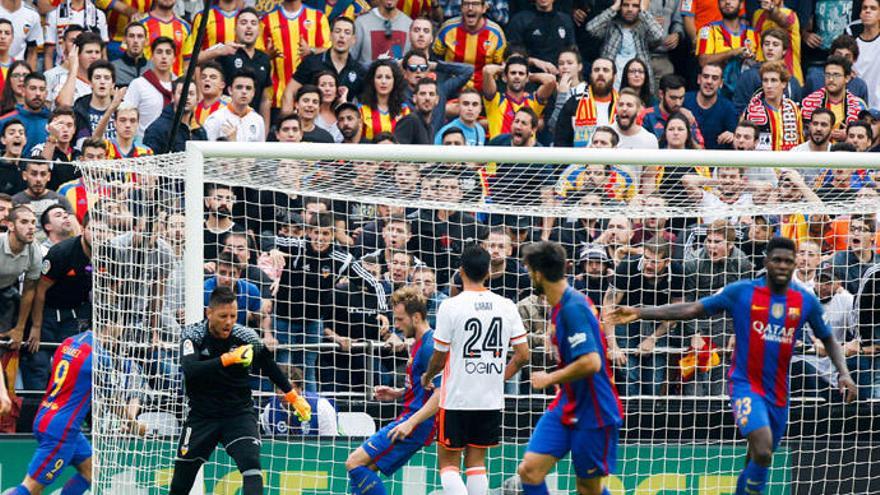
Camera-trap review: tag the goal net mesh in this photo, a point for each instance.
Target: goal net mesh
(319, 294)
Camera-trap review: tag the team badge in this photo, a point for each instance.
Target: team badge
(561, 32)
(238, 63)
(188, 347)
(777, 310)
(47, 265)
(352, 77)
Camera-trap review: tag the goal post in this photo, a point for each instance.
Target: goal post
(401, 214)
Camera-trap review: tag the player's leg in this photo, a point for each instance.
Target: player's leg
(362, 477)
(550, 442)
(27, 487)
(475, 470)
(241, 438)
(594, 457)
(483, 432)
(82, 459)
(449, 461)
(197, 442)
(753, 420)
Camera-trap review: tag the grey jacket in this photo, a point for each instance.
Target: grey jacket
(608, 26)
(668, 15)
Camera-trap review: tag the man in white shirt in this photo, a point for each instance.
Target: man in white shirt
(632, 135)
(867, 34)
(808, 258)
(28, 32)
(87, 49)
(237, 121)
(72, 13)
(729, 189)
(151, 92)
(819, 130)
(475, 330)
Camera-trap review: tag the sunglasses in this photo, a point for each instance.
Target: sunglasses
(387, 26)
(417, 67)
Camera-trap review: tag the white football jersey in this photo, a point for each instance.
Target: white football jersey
(477, 329)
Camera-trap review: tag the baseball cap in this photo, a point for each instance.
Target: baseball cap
(594, 252)
(870, 112)
(344, 106)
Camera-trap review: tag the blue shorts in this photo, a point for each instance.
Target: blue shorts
(593, 450)
(752, 412)
(389, 457)
(53, 455)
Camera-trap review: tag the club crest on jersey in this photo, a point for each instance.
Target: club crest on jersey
(47, 265)
(561, 32)
(777, 310)
(238, 63)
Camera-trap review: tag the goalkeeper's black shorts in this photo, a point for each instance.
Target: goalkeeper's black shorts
(201, 435)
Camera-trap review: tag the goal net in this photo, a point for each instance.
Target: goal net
(315, 239)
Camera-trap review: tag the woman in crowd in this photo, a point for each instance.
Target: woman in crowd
(571, 67)
(635, 75)
(331, 95)
(382, 102)
(13, 91)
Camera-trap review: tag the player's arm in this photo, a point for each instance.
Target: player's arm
(438, 361)
(519, 359)
(268, 365)
(427, 411)
(193, 367)
(5, 403)
(671, 312)
(586, 365)
(546, 88)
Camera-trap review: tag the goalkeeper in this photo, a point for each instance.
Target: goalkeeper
(216, 356)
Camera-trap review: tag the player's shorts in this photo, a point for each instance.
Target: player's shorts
(752, 412)
(200, 436)
(388, 456)
(593, 450)
(53, 455)
(460, 429)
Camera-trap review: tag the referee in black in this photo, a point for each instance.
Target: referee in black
(216, 357)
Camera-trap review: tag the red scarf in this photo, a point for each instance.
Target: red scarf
(153, 79)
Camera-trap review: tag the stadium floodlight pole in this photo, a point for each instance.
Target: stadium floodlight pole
(562, 156)
(190, 71)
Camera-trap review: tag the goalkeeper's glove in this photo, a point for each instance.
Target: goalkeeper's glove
(300, 405)
(243, 355)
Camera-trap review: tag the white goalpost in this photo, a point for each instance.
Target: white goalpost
(401, 215)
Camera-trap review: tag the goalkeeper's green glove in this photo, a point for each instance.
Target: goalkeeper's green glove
(243, 355)
(300, 405)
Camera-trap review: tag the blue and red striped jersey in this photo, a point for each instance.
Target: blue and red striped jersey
(767, 327)
(414, 395)
(591, 402)
(68, 397)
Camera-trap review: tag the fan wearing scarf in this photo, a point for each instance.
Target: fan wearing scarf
(583, 113)
(777, 117)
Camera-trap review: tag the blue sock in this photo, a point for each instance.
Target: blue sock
(536, 489)
(752, 480)
(19, 490)
(605, 491)
(364, 481)
(77, 485)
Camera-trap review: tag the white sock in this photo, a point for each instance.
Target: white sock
(477, 481)
(451, 481)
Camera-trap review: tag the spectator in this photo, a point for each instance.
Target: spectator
(211, 84)
(81, 13)
(616, 240)
(519, 183)
(727, 188)
(668, 15)
(382, 102)
(61, 303)
(338, 59)
(769, 107)
(277, 420)
(593, 272)
(507, 277)
(89, 109)
(158, 134)
(381, 33)
(13, 140)
(775, 46)
(57, 225)
(671, 96)
(6, 39)
(399, 266)
(237, 121)
(424, 279)
(123, 146)
(417, 127)
(728, 40)
(867, 34)
(809, 256)
(596, 106)
(649, 280)
(745, 138)
(838, 184)
(219, 201)
(75, 191)
(162, 22)
(860, 134)
(614, 184)
(835, 96)
(21, 258)
(27, 37)
(498, 11)
(288, 130)
(452, 136)
(228, 274)
(58, 147)
(501, 108)
(396, 235)
(131, 63)
(773, 14)
(851, 265)
(629, 132)
(819, 128)
(350, 123)
(421, 33)
(330, 97)
(653, 227)
(471, 24)
(308, 105)
(843, 46)
(13, 86)
(33, 112)
(627, 30)
(249, 54)
(67, 84)
(220, 30)
(872, 116)
(5, 207)
(151, 92)
(569, 81)
(667, 181)
(544, 32)
(635, 76)
(450, 78)
(715, 115)
(699, 13)
(867, 307)
(470, 106)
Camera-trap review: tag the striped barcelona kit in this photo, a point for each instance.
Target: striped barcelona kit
(284, 30)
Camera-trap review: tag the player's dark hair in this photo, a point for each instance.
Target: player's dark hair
(780, 243)
(221, 295)
(547, 258)
(412, 300)
(475, 263)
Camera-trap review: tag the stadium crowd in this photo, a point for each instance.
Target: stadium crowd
(82, 81)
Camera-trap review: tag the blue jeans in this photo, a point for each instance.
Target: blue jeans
(290, 332)
(57, 326)
(865, 373)
(644, 374)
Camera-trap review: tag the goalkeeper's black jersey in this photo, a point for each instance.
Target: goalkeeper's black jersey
(215, 391)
